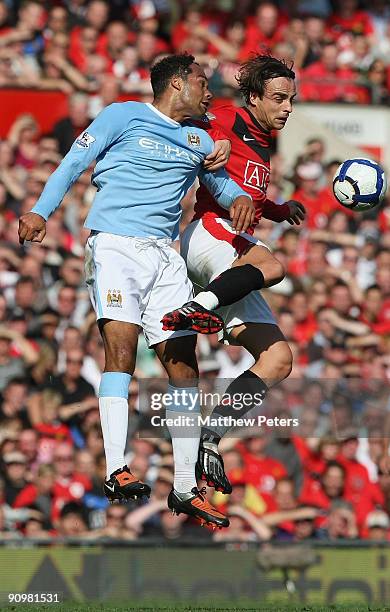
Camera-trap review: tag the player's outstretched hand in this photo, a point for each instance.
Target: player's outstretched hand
(219, 157)
(297, 212)
(32, 227)
(242, 214)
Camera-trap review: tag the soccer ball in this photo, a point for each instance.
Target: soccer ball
(359, 184)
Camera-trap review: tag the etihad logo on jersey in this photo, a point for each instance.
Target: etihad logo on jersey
(256, 176)
(193, 140)
(162, 149)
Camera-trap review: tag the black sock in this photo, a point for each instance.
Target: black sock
(247, 391)
(234, 284)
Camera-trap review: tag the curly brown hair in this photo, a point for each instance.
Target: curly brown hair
(254, 74)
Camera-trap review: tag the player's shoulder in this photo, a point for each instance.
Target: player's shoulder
(129, 107)
(223, 112)
(121, 110)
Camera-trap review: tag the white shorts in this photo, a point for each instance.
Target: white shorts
(209, 246)
(136, 280)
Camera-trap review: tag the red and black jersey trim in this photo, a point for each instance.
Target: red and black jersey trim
(255, 122)
(241, 129)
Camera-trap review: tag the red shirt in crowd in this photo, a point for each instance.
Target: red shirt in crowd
(257, 42)
(358, 23)
(304, 330)
(311, 460)
(384, 215)
(26, 497)
(311, 204)
(69, 489)
(64, 490)
(381, 324)
(76, 54)
(363, 494)
(322, 85)
(54, 431)
(214, 21)
(262, 472)
(318, 206)
(313, 494)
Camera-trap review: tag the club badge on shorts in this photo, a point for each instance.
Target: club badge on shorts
(193, 140)
(114, 298)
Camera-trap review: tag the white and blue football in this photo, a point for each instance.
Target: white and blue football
(359, 184)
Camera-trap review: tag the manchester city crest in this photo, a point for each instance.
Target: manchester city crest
(193, 140)
(114, 298)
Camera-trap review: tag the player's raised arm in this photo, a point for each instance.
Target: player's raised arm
(230, 196)
(102, 132)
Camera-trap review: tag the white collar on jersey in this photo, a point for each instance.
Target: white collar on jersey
(160, 114)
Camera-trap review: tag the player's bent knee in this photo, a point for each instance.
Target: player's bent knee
(283, 362)
(277, 272)
(276, 364)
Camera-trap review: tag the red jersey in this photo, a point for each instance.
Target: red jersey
(304, 330)
(364, 495)
(257, 42)
(26, 497)
(68, 489)
(358, 23)
(248, 165)
(263, 472)
(319, 84)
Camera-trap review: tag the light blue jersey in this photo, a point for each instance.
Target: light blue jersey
(146, 162)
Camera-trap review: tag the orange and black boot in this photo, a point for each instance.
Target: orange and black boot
(196, 505)
(123, 485)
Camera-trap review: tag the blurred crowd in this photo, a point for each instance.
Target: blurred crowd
(340, 48)
(323, 480)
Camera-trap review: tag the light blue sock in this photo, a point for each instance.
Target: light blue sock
(114, 384)
(114, 415)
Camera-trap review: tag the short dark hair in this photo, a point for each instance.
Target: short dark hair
(168, 67)
(73, 508)
(333, 464)
(24, 280)
(17, 380)
(254, 74)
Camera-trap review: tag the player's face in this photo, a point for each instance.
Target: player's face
(274, 108)
(196, 96)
